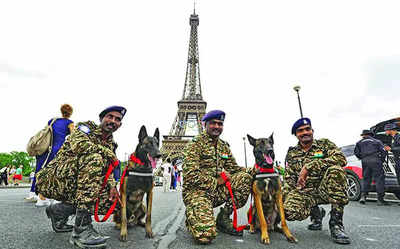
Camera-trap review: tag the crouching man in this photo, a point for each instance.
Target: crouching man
(315, 175)
(76, 175)
(203, 189)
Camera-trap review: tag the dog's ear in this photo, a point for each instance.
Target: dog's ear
(251, 139)
(271, 138)
(157, 135)
(142, 133)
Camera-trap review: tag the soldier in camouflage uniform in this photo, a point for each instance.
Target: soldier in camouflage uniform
(76, 175)
(314, 175)
(203, 188)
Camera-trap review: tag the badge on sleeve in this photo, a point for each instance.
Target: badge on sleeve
(84, 129)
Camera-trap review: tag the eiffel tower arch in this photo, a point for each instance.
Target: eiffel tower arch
(191, 107)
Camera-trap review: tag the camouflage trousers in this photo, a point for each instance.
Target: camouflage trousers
(200, 203)
(332, 190)
(76, 182)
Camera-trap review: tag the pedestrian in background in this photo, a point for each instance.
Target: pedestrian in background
(62, 127)
(166, 168)
(172, 174)
(372, 154)
(4, 175)
(11, 173)
(390, 130)
(17, 178)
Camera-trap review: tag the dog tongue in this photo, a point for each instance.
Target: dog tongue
(152, 161)
(268, 159)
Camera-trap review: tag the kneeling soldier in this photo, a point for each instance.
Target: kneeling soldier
(315, 175)
(203, 188)
(76, 175)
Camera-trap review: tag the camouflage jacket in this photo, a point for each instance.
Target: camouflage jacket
(204, 159)
(322, 155)
(86, 139)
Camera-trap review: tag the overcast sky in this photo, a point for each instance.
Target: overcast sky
(345, 55)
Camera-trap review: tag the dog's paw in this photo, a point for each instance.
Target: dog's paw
(292, 239)
(149, 235)
(265, 240)
(123, 237)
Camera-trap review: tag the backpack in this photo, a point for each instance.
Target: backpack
(41, 141)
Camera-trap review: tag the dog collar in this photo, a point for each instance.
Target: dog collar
(134, 173)
(134, 159)
(264, 170)
(266, 175)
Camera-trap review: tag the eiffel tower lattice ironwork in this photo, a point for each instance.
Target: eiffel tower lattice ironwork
(192, 107)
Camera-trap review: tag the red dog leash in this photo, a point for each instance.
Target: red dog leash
(110, 169)
(250, 218)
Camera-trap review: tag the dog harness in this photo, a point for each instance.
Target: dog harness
(110, 169)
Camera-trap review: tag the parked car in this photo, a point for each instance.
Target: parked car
(354, 168)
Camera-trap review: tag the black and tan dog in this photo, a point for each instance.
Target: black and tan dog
(267, 192)
(137, 182)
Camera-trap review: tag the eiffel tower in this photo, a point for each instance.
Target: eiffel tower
(191, 107)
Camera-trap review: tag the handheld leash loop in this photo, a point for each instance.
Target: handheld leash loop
(111, 210)
(228, 185)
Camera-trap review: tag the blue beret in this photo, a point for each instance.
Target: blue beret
(300, 122)
(214, 114)
(113, 108)
(390, 126)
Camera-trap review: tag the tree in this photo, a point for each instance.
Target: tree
(16, 158)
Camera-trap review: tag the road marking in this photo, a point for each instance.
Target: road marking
(171, 233)
(378, 225)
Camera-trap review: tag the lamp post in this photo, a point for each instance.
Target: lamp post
(245, 155)
(297, 89)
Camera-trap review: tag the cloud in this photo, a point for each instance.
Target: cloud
(383, 75)
(14, 71)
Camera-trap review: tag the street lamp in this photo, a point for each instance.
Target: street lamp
(245, 155)
(297, 89)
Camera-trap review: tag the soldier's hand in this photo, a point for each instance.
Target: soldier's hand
(301, 181)
(387, 148)
(113, 194)
(221, 180)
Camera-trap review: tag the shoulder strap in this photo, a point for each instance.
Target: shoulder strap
(51, 141)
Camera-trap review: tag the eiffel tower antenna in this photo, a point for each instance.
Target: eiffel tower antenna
(191, 107)
(194, 7)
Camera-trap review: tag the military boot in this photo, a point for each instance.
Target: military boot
(317, 214)
(363, 199)
(224, 223)
(83, 234)
(58, 214)
(337, 229)
(382, 202)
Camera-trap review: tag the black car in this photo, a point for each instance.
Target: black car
(354, 168)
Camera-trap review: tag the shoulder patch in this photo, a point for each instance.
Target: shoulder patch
(84, 129)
